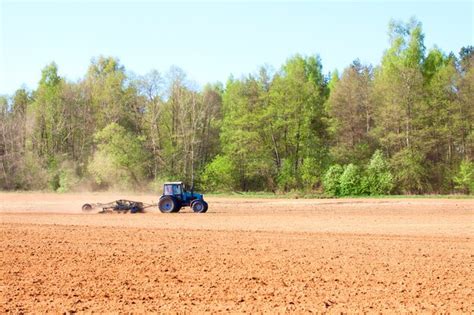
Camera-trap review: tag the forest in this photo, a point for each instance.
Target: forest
(404, 126)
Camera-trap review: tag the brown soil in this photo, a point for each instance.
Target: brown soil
(244, 255)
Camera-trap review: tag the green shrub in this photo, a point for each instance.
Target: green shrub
(464, 179)
(331, 179)
(350, 181)
(378, 179)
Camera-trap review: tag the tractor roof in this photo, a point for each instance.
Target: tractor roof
(173, 183)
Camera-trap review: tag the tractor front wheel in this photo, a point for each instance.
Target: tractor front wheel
(199, 206)
(168, 205)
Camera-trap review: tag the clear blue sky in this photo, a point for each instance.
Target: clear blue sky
(210, 40)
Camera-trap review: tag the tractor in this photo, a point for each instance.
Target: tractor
(175, 197)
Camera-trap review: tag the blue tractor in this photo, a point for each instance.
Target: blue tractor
(175, 197)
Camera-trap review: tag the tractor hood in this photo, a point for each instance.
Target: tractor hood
(198, 196)
(194, 196)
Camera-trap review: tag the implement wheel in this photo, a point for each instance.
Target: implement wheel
(86, 207)
(168, 204)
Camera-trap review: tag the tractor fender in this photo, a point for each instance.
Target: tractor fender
(170, 196)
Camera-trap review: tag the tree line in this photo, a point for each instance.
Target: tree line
(403, 126)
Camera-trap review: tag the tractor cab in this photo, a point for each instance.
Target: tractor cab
(173, 189)
(175, 197)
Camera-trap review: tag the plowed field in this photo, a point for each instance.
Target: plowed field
(244, 255)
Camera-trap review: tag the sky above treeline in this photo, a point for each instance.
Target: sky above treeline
(210, 40)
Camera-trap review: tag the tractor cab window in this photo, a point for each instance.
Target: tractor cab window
(168, 190)
(177, 189)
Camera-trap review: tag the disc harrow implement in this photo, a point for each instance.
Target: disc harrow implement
(118, 206)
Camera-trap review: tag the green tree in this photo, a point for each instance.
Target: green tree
(112, 97)
(438, 132)
(297, 118)
(14, 171)
(351, 115)
(47, 110)
(399, 101)
(286, 176)
(120, 159)
(219, 175)
(189, 121)
(463, 111)
(243, 139)
(399, 87)
(433, 62)
(466, 55)
(49, 124)
(410, 174)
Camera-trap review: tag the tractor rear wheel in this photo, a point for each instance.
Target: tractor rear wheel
(168, 205)
(178, 206)
(199, 206)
